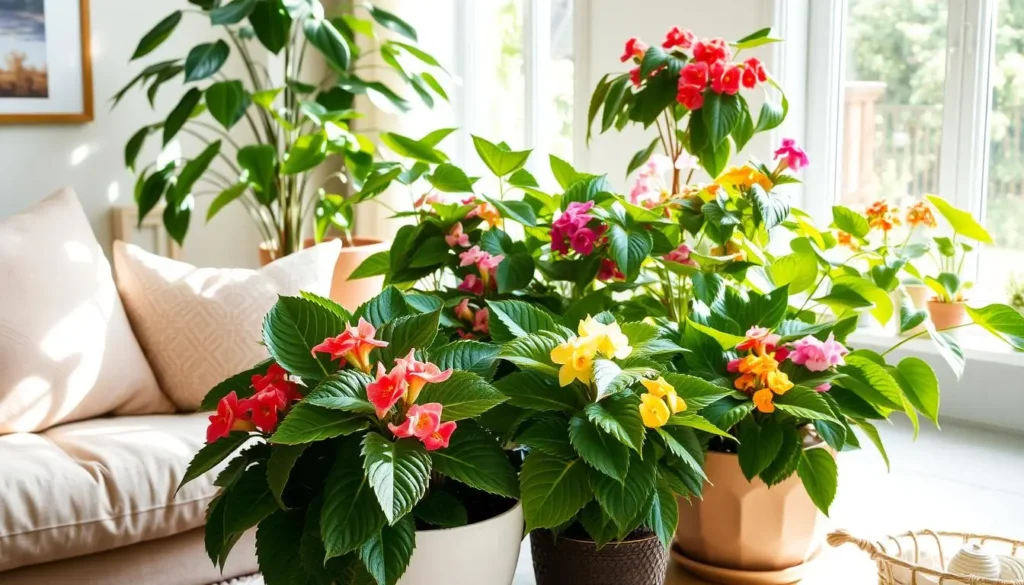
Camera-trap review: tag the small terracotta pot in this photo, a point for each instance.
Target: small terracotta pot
(945, 315)
(743, 526)
(563, 561)
(348, 293)
(919, 294)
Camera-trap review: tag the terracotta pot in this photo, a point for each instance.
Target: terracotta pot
(743, 528)
(562, 561)
(348, 293)
(919, 294)
(945, 315)
(484, 552)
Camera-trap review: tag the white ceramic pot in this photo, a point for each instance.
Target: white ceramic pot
(483, 553)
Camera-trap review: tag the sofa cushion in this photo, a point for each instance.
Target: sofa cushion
(96, 485)
(67, 351)
(199, 326)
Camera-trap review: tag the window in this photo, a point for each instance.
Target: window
(514, 68)
(928, 98)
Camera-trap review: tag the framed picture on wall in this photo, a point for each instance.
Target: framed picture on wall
(45, 66)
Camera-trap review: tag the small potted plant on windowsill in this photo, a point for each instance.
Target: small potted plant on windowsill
(947, 308)
(295, 125)
(357, 457)
(611, 444)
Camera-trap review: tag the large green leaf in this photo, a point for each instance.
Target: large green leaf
(463, 395)
(232, 12)
(227, 102)
(351, 514)
(278, 548)
(471, 356)
(260, 161)
(193, 170)
(410, 148)
(501, 161)
(375, 265)
(534, 391)
(871, 382)
(307, 424)
(279, 468)
(392, 22)
(225, 198)
(624, 501)
(798, 270)
(205, 60)
(405, 334)
(599, 526)
(686, 447)
(770, 209)
(475, 458)
(850, 221)
(386, 555)
(696, 392)
(619, 416)
(599, 449)
(306, 153)
(441, 509)
(720, 114)
(550, 435)
(157, 35)
(292, 328)
(1002, 321)
(399, 472)
(553, 490)
(212, 454)
(248, 501)
(387, 306)
(511, 320)
(332, 44)
(961, 221)
(664, 513)
(820, 476)
(804, 402)
(180, 114)
(345, 391)
(177, 216)
(920, 385)
(759, 444)
(450, 179)
(271, 24)
(532, 352)
(629, 249)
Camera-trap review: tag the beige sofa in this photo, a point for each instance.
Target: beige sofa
(91, 448)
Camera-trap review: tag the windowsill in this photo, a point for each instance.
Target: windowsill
(977, 345)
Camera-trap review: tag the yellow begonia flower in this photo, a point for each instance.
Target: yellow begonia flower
(778, 382)
(663, 389)
(576, 357)
(763, 400)
(745, 177)
(610, 340)
(653, 410)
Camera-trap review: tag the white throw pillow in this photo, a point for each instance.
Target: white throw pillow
(198, 326)
(67, 351)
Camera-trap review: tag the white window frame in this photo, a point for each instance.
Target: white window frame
(966, 106)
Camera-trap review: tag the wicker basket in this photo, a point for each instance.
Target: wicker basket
(919, 558)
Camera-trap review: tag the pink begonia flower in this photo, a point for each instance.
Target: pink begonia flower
(277, 380)
(656, 166)
(678, 38)
(387, 389)
(462, 310)
(609, 271)
(353, 345)
(488, 263)
(456, 237)
(471, 256)
(643, 190)
(823, 387)
(635, 49)
(418, 374)
(472, 284)
(681, 255)
(759, 337)
(634, 76)
(558, 243)
(230, 416)
(734, 365)
(695, 73)
(421, 421)
(441, 438)
(576, 207)
(793, 156)
(583, 241)
(481, 322)
(817, 355)
(265, 408)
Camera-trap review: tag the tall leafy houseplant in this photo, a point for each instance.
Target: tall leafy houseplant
(295, 123)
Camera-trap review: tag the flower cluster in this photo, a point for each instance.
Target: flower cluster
(711, 67)
(681, 255)
(920, 214)
(659, 403)
(574, 228)
(576, 356)
(486, 265)
(456, 237)
(744, 178)
(649, 188)
(403, 384)
(478, 320)
(760, 376)
(352, 346)
(483, 210)
(883, 217)
(274, 393)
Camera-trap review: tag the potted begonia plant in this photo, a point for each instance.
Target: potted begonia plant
(298, 122)
(357, 454)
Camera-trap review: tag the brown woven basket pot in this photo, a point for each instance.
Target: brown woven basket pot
(566, 561)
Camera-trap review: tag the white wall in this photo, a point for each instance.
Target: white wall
(37, 160)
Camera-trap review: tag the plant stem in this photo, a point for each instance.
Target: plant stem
(920, 333)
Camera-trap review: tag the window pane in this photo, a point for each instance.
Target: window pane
(892, 119)
(499, 89)
(561, 72)
(1004, 201)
